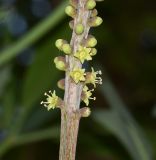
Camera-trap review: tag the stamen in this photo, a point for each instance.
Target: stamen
(51, 94)
(98, 80)
(100, 72)
(93, 98)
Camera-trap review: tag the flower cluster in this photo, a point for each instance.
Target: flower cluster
(83, 52)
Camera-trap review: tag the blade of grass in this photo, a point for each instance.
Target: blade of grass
(37, 136)
(34, 35)
(121, 123)
(28, 138)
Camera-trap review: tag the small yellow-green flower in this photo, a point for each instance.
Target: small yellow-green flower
(52, 100)
(86, 95)
(83, 54)
(78, 75)
(91, 77)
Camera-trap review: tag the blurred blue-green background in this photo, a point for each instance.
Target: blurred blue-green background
(122, 125)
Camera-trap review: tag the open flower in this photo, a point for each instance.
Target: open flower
(52, 100)
(86, 95)
(91, 77)
(78, 74)
(83, 54)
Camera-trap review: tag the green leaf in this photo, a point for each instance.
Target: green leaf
(6, 101)
(34, 35)
(39, 117)
(8, 105)
(44, 134)
(128, 134)
(5, 74)
(120, 122)
(91, 144)
(41, 75)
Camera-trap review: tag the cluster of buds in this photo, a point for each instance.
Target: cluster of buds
(84, 52)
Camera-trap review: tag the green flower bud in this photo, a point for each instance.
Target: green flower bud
(74, 3)
(98, 21)
(70, 11)
(71, 24)
(85, 112)
(79, 29)
(60, 63)
(95, 22)
(61, 84)
(94, 13)
(90, 4)
(91, 42)
(59, 43)
(67, 48)
(93, 52)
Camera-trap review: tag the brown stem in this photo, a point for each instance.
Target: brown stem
(69, 130)
(72, 98)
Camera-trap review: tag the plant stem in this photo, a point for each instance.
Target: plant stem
(69, 131)
(72, 98)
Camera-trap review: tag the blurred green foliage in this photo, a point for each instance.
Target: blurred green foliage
(122, 124)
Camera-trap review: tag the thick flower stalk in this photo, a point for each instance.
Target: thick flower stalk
(77, 80)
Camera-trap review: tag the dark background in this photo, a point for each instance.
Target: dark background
(122, 125)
